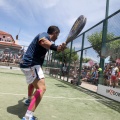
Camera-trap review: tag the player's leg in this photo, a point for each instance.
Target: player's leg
(30, 93)
(40, 90)
(37, 80)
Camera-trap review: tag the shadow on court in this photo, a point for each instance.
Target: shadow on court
(99, 98)
(19, 109)
(61, 85)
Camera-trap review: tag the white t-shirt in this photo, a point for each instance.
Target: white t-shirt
(114, 70)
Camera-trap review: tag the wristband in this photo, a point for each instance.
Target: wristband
(53, 47)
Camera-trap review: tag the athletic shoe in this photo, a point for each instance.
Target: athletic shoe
(27, 102)
(31, 118)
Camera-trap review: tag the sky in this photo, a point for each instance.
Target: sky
(31, 17)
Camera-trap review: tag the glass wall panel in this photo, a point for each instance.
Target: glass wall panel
(93, 36)
(77, 43)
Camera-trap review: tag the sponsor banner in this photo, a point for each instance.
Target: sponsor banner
(113, 93)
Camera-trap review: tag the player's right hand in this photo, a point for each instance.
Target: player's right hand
(63, 46)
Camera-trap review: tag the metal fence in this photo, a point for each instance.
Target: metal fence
(97, 51)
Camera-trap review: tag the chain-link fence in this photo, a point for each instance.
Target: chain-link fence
(91, 57)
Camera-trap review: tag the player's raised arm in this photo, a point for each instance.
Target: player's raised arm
(44, 42)
(48, 45)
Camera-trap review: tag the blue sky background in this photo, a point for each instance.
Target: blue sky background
(30, 17)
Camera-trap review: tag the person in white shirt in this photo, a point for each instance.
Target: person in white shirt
(114, 74)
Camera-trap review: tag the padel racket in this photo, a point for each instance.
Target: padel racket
(76, 28)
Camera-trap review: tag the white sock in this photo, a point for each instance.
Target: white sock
(29, 114)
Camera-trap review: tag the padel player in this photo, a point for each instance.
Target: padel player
(32, 62)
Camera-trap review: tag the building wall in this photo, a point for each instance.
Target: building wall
(6, 38)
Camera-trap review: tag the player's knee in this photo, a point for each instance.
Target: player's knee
(42, 89)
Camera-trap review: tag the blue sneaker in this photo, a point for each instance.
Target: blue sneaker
(27, 102)
(31, 118)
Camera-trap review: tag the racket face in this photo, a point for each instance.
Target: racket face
(76, 28)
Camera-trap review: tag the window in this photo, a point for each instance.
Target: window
(3, 36)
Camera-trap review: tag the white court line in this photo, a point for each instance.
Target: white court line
(12, 94)
(86, 99)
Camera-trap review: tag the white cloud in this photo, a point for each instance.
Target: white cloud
(35, 16)
(49, 3)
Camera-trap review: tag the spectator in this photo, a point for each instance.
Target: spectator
(114, 75)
